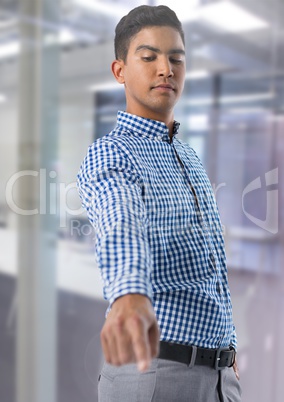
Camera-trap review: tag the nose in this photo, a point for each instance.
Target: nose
(165, 68)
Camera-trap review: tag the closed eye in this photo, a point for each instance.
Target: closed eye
(148, 58)
(176, 61)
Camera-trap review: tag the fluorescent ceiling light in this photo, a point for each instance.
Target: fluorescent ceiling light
(248, 110)
(247, 98)
(66, 36)
(199, 101)
(196, 74)
(198, 122)
(226, 15)
(110, 9)
(232, 99)
(9, 49)
(106, 86)
(183, 9)
(2, 98)
(231, 17)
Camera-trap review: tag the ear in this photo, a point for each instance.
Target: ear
(117, 68)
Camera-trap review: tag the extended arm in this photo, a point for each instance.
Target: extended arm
(110, 190)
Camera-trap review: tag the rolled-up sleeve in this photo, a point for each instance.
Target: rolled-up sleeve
(111, 193)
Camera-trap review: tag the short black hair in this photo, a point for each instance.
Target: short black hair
(139, 18)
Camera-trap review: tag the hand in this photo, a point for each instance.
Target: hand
(130, 333)
(236, 369)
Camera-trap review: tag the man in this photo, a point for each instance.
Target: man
(159, 239)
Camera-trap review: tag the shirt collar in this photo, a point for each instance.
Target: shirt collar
(149, 128)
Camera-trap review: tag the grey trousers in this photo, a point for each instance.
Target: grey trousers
(167, 381)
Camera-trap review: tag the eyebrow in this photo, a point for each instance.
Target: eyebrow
(156, 50)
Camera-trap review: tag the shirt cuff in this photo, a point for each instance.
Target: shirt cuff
(234, 341)
(127, 284)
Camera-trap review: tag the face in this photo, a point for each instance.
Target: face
(153, 74)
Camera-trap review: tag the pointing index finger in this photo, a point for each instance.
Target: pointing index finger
(138, 330)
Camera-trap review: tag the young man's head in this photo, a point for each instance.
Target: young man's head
(139, 18)
(150, 61)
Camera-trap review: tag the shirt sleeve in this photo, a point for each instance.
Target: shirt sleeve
(111, 192)
(234, 341)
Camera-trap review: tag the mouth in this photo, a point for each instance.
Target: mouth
(165, 87)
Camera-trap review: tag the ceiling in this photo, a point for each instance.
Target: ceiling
(88, 35)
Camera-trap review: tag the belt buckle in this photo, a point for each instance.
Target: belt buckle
(218, 358)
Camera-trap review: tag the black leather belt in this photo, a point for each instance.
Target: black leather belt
(193, 355)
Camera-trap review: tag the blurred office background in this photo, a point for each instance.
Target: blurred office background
(57, 95)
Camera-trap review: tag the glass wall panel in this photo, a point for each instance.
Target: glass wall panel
(231, 112)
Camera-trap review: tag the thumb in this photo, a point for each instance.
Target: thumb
(236, 370)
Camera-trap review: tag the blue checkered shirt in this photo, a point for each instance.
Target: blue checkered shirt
(158, 230)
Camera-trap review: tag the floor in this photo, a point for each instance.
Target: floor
(79, 353)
